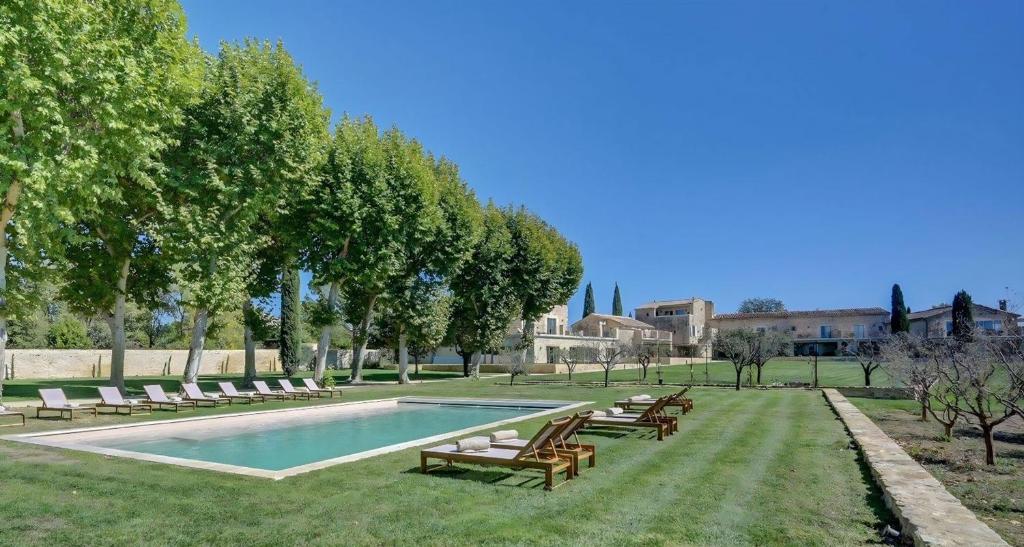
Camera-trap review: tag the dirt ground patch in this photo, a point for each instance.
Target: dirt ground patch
(995, 494)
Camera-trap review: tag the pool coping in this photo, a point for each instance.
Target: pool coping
(38, 438)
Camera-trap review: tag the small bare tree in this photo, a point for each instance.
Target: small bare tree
(869, 355)
(1008, 353)
(516, 364)
(971, 371)
(609, 355)
(571, 359)
(738, 346)
(906, 365)
(767, 346)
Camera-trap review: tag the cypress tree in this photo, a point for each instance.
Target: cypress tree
(588, 301)
(617, 302)
(963, 316)
(900, 322)
(291, 337)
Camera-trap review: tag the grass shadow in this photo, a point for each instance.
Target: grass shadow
(484, 476)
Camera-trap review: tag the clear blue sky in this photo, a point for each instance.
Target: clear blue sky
(812, 151)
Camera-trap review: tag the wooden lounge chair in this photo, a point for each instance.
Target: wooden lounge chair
(156, 397)
(193, 393)
(313, 388)
(675, 400)
(228, 390)
(289, 389)
(538, 453)
(55, 401)
(651, 417)
(566, 442)
(267, 393)
(10, 414)
(111, 398)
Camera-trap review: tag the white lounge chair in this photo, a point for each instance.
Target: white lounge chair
(156, 397)
(289, 389)
(313, 388)
(228, 390)
(193, 393)
(267, 393)
(111, 398)
(54, 400)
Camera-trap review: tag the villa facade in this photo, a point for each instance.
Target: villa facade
(686, 319)
(821, 332)
(938, 321)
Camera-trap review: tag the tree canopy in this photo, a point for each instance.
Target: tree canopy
(761, 305)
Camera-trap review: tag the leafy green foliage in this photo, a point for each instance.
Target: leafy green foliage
(546, 268)
(68, 333)
(963, 316)
(291, 327)
(761, 305)
(617, 302)
(589, 306)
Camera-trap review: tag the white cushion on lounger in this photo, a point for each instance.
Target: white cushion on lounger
(612, 411)
(637, 398)
(598, 414)
(504, 435)
(473, 444)
(496, 453)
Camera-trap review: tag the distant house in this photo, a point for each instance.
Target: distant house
(938, 322)
(625, 330)
(686, 319)
(824, 332)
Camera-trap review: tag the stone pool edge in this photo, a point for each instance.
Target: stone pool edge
(927, 512)
(36, 438)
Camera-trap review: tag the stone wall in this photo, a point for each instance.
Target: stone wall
(87, 363)
(877, 392)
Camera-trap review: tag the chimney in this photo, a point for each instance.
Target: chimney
(1002, 305)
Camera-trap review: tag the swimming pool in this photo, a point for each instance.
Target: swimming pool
(281, 443)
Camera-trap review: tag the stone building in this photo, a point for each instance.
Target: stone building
(686, 319)
(827, 332)
(938, 321)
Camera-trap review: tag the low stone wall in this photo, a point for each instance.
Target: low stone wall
(537, 368)
(928, 513)
(87, 363)
(876, 392)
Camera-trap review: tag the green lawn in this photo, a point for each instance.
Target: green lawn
(754, 467)
(830, 373)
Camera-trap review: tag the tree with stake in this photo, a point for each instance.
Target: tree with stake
(248, 140)
(900, 322)
(868, 355)
(739, 347)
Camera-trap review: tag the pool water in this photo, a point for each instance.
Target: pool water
(278, 446)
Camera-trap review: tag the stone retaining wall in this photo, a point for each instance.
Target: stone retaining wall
(86, 363)
(928, 513)
(876, 392)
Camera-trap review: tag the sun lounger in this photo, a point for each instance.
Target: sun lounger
(111, 398)
(193, 393)
(227, 389)
(566, 442)
(651, 417)
(675, 400)
(289, 389)
(156, 397)
(313, 388)
(55, 401)
(4, 413)
(538, 453)
(267, 393)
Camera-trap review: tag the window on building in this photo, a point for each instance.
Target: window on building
(826, 331)
(988, 326)
(552, 325)
(859, 331)
(949, 328)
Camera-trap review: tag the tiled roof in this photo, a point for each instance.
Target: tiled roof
(621, 320)
(943, 309)
(845, 312)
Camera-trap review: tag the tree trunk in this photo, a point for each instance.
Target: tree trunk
(6, 212)
(948, 430)
(250, 346)
(739, 378)
(364, 335)
(924, 411)
(117, 335)
(759, 367)
(867, 377)
(990, 450)
(403, 357)
(195, 347)
(466, 356)
(607, 371)
(476, 359)
(529, 354)
(324, 344)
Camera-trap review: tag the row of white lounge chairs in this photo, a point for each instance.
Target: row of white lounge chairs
(55, 401)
